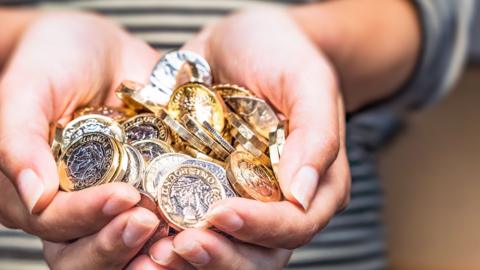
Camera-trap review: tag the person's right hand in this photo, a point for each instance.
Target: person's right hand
(61, 62)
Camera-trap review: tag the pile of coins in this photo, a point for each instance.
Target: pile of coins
(183, 142)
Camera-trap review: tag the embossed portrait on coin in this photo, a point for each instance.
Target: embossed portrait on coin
(143, 132)
(255, 177)
(88, 163)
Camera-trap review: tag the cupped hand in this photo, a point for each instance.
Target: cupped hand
(266, 52)
(63, 61)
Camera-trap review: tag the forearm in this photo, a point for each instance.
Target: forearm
(13, 22)
(374, 45)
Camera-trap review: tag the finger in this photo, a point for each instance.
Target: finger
(111, 248)
(143, 262)
(209, 250)
(283, 224)
(72, 214)
(162, 254)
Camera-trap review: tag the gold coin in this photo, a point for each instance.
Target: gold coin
(123, 169)
(92, 123)
(146, 126)
(136, 167)
(198, 101)
(91, 160)
(185, 195)
(182, 132)
(274, 159)
(251, 179)
(127, 91)
(256, 112)
(220, 139)
(56, 141)
(152, 148)
(204, 137)
(245, 135)
(117, 114)
(231, 90)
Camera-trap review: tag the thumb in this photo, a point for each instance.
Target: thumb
(25, 156)
(309, 99)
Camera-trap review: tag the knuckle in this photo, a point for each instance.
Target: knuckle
(104, 248)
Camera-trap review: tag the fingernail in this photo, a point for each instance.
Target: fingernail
(30, 187)
(139, 227)
(163, 258)
(304, 185)
(224, 219)
(120, 201)
(193, 253)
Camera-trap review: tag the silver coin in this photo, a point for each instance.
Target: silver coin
(256, 112)
(216, 170)
(91, 124)
(88, 161)
(136, 167)
(157, 169)
(178, 67)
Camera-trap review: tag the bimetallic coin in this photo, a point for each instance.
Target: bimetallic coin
(117, 114)
(256, 112)
(195, 128)
(218, 138)
(89, 161)
(186, 194)
(182, 132)
(246, 136)
(251, 179)
(231, 90)
(274, 159)
(91, 124)
(157, 169)
(199, 102)
(146, 126)
(123, 167)
(216, 170)
(151, 149)
(179, 67)
(127, 91)
(151, 98)
(136, 167)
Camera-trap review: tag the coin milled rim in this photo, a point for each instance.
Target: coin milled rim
(194, 127)
(181, 131)
(113, 127)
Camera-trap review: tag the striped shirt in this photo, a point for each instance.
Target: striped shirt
(354, 239)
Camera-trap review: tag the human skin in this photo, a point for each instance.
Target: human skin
(298, 78)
